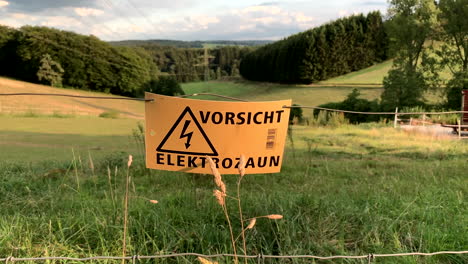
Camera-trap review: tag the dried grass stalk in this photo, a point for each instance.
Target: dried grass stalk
(205, 261)
(242, 166)
(220, 197)
(130, 160)
(252, 223)
(217, 176)
(274, 216)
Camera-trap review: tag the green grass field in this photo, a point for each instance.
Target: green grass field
(300, 94)
(350, 190)
(370, 76)
(47, 138)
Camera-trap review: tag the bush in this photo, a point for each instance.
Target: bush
(326, 118)
(109, 114)
(403, 88)
(454, 91)
(165, 85)
(296, 113)
(354, 103)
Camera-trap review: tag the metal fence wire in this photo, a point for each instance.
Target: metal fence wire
(235, 99)
(370, 257)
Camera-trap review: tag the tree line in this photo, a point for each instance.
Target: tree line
(36, 54)
(66, 59)
(193, 64)
(336, 48)
(426, 37)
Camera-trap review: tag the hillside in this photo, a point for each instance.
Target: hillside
(368, 81)
(62, 105)
(369, 76)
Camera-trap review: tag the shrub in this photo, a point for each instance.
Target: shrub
(165, 85)
(354, 103)
(109, 114)
(296, 113)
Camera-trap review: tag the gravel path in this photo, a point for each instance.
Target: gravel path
(435, 130)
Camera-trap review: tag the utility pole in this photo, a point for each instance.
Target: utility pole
(205, 63)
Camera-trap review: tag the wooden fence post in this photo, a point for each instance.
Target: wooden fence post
(424, 119)
(396, 118)
(459, 128)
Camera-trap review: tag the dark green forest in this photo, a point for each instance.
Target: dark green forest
(87, 62)
(66, 59)
(193, 64)
(333, 49)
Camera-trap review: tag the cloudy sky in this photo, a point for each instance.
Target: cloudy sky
(182, 19)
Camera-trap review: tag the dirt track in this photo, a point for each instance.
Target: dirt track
(436, 131)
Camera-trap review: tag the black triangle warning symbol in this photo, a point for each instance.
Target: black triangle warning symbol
(187, 136)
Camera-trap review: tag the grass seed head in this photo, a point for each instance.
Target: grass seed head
(274, 216)
(220, 197)
(252, 223)
(205, 261)
(242, 166)
(130, 160)
(217, 177)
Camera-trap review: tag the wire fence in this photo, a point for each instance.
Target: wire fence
(370, 257)
(457, 129)
(237, 99)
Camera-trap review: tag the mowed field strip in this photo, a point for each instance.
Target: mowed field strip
(62, 105)
(39, 138)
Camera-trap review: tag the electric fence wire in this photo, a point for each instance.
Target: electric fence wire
(369, 257)
(237, 99)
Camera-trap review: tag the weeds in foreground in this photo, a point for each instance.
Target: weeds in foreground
(221, 194)
(127, 184)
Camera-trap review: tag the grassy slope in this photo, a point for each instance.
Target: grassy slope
(62, 105)
(368, 81)
(372, 75)
(300, 94)
(39, 138)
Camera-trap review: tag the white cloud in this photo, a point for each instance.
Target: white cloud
(84, 11)
(301, 18)
(265, 20)
(179, 19)
(58, 21)
(343, 13)
(273, 15)
(21, 16)
(3, 3)
(262, 9)
(252, 22)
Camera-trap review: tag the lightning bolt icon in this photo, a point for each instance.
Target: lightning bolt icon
(187, 135)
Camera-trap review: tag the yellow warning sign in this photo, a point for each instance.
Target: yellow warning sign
(181, 133)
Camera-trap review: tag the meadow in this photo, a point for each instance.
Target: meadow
(343, 189)
(349, 190)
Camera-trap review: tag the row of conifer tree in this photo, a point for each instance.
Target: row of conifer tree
(336, 48)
